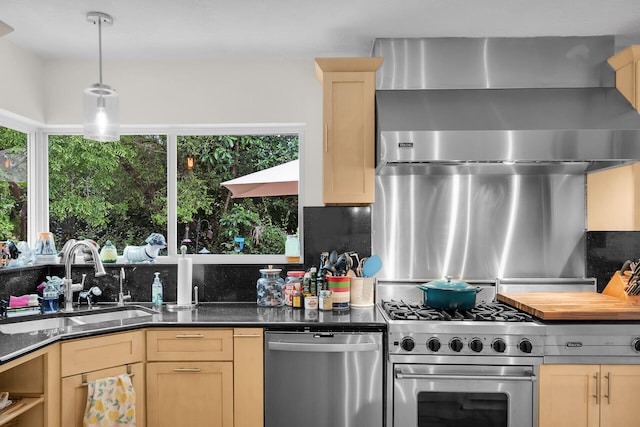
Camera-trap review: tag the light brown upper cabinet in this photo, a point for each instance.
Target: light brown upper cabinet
(613, 199)
(348, 118)
(627, 66)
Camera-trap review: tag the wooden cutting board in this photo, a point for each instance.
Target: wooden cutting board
(571, 305)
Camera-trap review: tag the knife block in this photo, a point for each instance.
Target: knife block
(617, 287)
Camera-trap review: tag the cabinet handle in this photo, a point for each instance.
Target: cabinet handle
(608, 395)
(326, 138)
(247, 336)
(597, 395)
(186, 370)
(190, 336)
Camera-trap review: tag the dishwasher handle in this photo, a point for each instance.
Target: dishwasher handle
(322, 347)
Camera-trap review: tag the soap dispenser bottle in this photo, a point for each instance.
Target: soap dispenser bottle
(156, 291)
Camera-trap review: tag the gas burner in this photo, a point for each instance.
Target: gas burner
(492, 312)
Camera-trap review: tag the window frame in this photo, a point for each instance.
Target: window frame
(38, 177)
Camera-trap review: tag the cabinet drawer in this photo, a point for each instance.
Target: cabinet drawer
(190, 344)
(91, 354)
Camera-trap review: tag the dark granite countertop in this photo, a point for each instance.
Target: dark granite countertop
(19, 341)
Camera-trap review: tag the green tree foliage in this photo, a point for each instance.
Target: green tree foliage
(118, 191)
(13, 184)
(100, 191)
(215, 218)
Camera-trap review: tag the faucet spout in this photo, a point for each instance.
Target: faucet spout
(67, 258)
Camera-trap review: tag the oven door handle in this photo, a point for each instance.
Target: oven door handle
(413, 376)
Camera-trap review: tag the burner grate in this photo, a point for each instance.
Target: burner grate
(492, 312)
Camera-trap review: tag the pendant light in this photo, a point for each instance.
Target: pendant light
(101, 116)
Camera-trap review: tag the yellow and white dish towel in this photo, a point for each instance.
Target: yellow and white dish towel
(110, 402)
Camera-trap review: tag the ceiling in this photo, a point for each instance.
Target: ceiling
(188, 29)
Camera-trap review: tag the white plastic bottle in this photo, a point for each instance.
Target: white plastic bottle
(156, 291)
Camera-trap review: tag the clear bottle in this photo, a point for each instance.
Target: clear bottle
(51, 299)
(292, 248)
(156, 291)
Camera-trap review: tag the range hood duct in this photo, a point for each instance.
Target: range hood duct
(516, 105)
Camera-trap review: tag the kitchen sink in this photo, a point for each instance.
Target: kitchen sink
(85, 319)
(75, 319)
(26, 326)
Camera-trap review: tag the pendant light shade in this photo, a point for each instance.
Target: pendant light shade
(101, 110)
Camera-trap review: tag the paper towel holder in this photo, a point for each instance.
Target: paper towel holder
(190, 305)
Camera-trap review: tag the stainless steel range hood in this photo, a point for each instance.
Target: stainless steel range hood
(516, 105)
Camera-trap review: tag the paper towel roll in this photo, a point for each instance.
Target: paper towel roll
(184, 281)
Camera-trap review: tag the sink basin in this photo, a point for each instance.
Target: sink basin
(33, 325)
(76, 319)
(85, 319)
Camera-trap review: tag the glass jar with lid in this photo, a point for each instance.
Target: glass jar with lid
(293, 282)
(270, 288)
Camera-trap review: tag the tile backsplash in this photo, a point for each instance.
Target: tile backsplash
(325, 228)
(608, 250)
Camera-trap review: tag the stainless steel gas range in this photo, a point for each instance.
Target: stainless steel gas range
(477, 367)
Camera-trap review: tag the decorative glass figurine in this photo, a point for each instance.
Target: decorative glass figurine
(109, 253)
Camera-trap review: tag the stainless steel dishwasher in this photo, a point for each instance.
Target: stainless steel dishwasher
(323, 379)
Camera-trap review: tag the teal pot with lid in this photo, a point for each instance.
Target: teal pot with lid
(449, 294)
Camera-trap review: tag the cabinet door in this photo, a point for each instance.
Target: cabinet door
(568, 396)
(620, 389)
(190, 394)
(74, 393)
(348, 116)
(248, 377)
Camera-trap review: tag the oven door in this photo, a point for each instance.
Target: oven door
(463, 395)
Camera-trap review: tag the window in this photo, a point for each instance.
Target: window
(160, 179)
(209, 219)
(113, 191)
(13, 185)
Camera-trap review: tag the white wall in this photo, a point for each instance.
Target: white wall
(185, 92)
(201, 92)
(21, 82)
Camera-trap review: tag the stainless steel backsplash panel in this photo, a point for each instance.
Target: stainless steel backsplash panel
(479, 226)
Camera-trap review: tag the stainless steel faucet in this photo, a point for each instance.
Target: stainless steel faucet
(67, 258)
(121, 296)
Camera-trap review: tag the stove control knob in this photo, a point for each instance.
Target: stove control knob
(499, 346)
(525, 346)
(476, 345)
(636, 344)
(433, 344)
(456, 345)
(407, 344)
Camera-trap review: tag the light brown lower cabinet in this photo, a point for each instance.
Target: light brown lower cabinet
(74, 392)
(33, 381)
(99, 357)
(589, 395)
(205, 377)
(190, 393)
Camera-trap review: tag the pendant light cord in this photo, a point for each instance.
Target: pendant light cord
(100, 48)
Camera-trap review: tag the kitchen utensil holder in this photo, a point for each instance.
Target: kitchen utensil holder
(617, 287)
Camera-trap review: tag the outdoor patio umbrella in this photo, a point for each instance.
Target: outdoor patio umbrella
(281, 180)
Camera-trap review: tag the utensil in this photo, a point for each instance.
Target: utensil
(360, 264)
(449, 294)
(371, 266)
